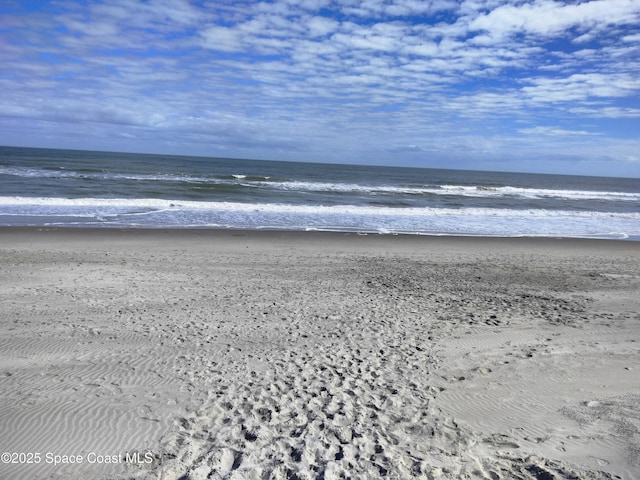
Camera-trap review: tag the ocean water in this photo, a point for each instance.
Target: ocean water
(62, 188)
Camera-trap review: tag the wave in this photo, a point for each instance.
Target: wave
(478, 191)
(267, 182)
(248, 178)
(176, 205)
(35, 172)
(537, 193)
(165, 213)
(61, 173)
(99, 175)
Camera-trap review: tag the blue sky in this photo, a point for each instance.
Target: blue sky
(541, 86)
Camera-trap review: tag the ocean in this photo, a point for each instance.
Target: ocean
(63, 188)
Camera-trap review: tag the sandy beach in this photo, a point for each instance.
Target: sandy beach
(200, 354)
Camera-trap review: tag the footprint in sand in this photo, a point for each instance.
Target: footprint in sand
(483, 370)
(498, 440)
(227, 461)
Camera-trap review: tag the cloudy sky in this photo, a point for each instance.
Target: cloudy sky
(543, 85)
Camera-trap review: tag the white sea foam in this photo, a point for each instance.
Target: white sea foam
(461, 190)
(165, 204)
(35, 172)
(150, 213)
(44, 173)
(478, 191)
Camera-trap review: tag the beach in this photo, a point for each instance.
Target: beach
(236, 354)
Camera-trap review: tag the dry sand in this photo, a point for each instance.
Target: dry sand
(217, 354)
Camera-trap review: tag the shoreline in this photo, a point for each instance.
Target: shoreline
(267, 354)
(295, 234)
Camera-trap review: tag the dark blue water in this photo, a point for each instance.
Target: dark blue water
(78, 188)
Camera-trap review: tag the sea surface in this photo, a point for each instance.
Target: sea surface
(62, 188)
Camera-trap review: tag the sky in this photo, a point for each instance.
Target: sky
(527, 86)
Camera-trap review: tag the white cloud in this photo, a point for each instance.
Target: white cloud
(367, 42)
(635, 38)
(396, 8)
(606, 112)
(580, 87)
(223, 38)
(321, 26)
(548, 17)
(555, 132)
